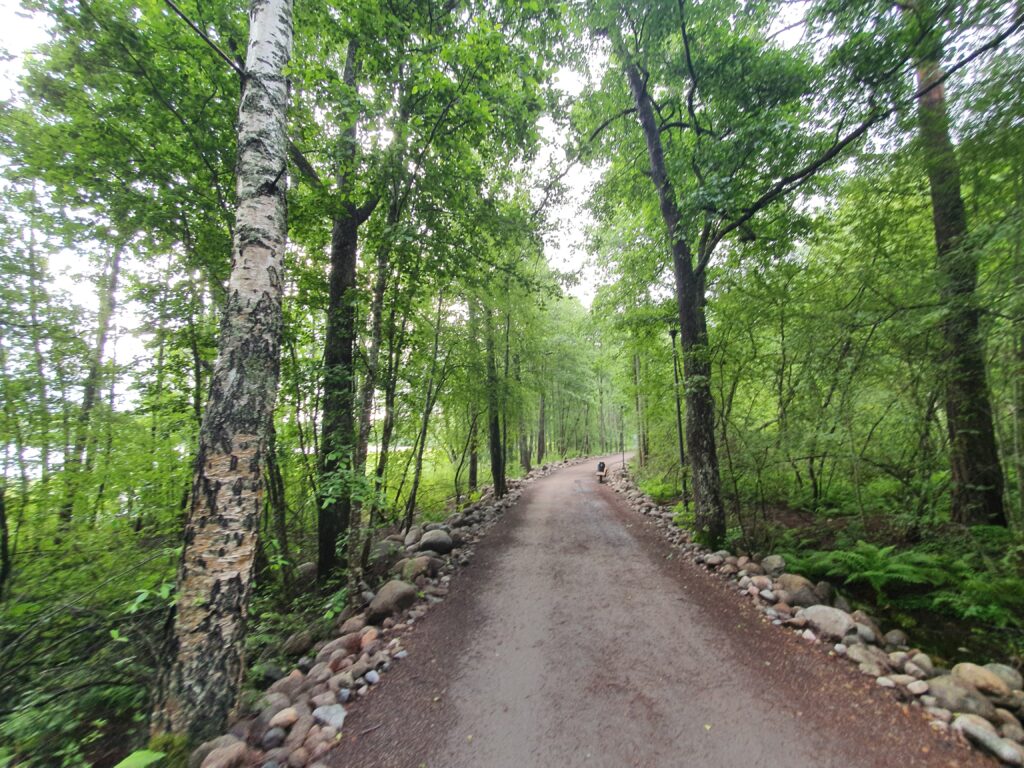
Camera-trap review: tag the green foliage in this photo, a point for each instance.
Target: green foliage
(883, 569)
(175, 747)
(141, 758)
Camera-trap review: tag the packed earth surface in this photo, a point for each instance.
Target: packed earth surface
(580, 636)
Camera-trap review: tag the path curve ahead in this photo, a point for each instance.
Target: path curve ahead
(576, 638)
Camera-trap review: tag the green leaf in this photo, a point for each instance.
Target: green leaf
(141, 758)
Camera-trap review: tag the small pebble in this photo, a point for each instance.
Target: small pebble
(372, 677)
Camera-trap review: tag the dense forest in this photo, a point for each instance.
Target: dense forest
(275, 286)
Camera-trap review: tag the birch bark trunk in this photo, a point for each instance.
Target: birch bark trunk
(200, 685)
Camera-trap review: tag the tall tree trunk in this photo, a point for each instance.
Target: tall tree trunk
(474, 455)
(541, 437)
(91, 391)
(278, 507)
(434, 383)
(693, 333)
(494, 414)
(338, 441)
(523, 433)
(36, 289)
(1017, 364)
(108, 448)
(5, 552)
(201, 682)
(679, 419)
(390, 394)
(641, 438)
(974, 460)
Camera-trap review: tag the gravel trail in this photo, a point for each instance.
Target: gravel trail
(577, 638)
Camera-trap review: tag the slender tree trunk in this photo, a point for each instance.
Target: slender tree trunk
(369, 383)
(693, 333)
(91, 391)
(390, 394)
(278, 508)
(494, 414)
(108, 449)
(434, 383)
(1017, 368)
(974, 459)
(5, 552)
(474, 456)
(679, 420)
(641, 439)
(541, 437)
(523, 433)
(36, 288)
(201, 683)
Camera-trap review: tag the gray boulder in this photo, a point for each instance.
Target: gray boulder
(988, 740)
(1008, 675)
(897, 638)
(298, 643)
(774, 565)
(830, 622)
(414, 535)
(436, 540)
(393, 597)
(985, 680)
(870, 659)
(424, 565)
(332, 716)
(959, 696)
(924, 663)
(199, 755)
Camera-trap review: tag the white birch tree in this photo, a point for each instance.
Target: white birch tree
(200, 684)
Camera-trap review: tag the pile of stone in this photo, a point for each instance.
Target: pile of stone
(301, 715)
(983, 704)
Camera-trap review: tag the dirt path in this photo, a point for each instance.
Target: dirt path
(575, 639)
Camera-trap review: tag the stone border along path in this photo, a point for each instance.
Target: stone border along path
(301, 716)
(980, 704)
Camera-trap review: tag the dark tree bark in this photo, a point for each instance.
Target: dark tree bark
(523, 432)
(338, 437)
(541, 437)
(201, 683)
(5, 551)
(474, 455)
(974, 459)
(679, 419)
(494, 414)
(641, 433)
(278, 509)
(693, 334)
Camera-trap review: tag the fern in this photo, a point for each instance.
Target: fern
(881, 568)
